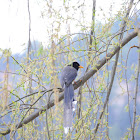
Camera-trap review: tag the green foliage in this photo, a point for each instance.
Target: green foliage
(126, 108)
(22, 94)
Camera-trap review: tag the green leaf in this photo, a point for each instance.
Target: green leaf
(40, 51)
(127, 108)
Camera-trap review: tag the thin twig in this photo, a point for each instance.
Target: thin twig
(18, 63)
(47, 119)
(17, 126)
(127, 88)
(113, 71)
(108, 94)
(136, 92)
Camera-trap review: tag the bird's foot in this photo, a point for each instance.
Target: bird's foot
(76, 82)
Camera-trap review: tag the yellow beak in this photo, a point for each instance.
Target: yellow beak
(81, 67)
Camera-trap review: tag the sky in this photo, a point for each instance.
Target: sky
(14, 19)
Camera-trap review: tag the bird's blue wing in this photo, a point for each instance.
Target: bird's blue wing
(68, 75)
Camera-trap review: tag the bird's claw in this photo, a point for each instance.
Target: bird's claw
(76, 82)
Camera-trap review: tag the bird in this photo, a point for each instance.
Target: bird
(68, 75)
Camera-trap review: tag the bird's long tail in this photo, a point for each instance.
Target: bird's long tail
(68, 107)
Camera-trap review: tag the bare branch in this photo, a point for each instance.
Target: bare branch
(18, 63)
(108, 92)
(136, 92)
(93, 24)
(114, 69)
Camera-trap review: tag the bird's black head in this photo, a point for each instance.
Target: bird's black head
(76, 65)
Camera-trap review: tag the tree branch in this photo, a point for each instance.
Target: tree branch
(114, 69)
(136, 92)
(88, 75)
